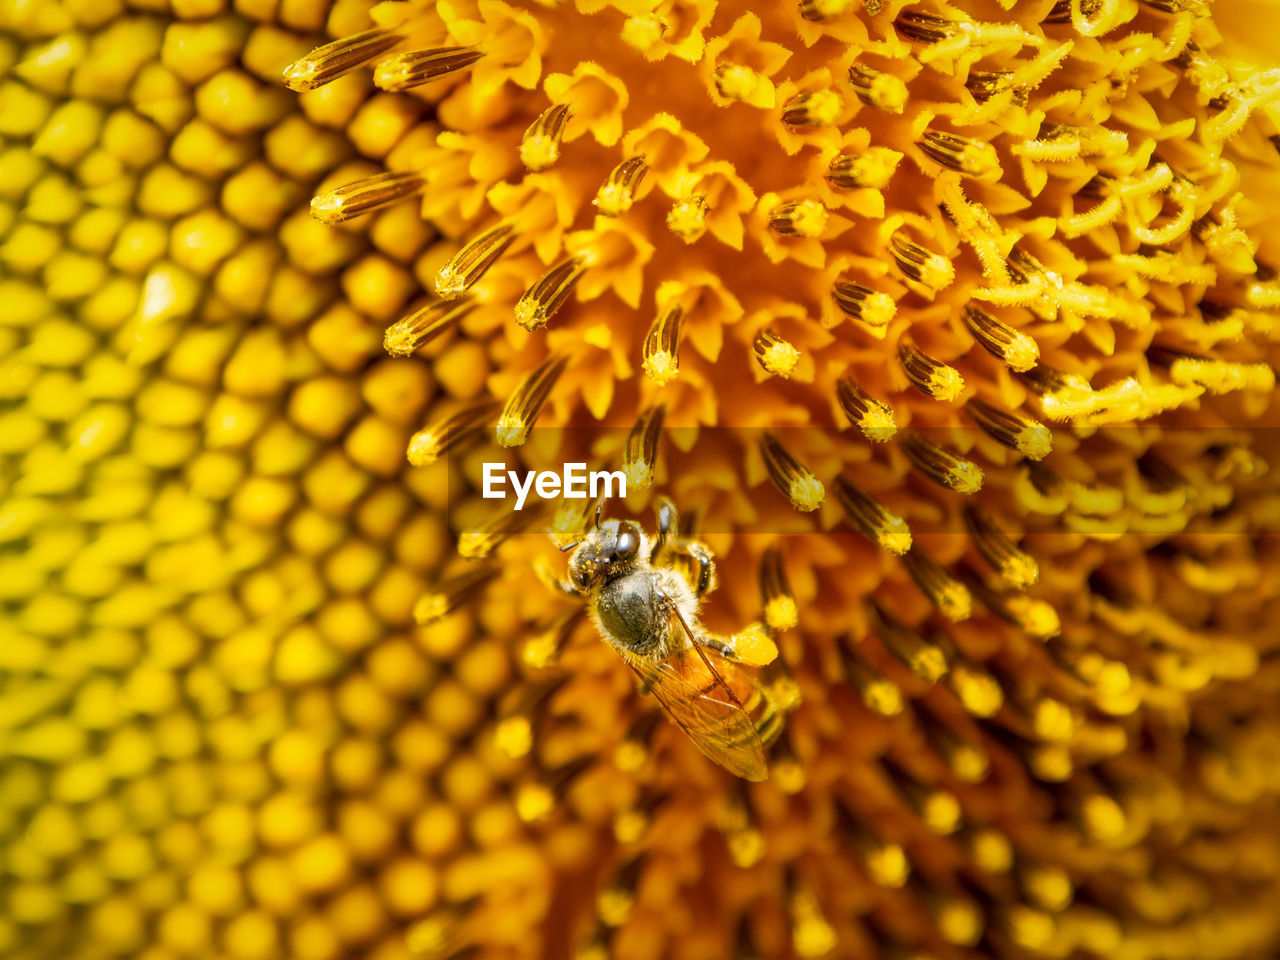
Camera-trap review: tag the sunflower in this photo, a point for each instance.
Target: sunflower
(949, 327)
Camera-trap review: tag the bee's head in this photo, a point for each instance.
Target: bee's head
(608, 551)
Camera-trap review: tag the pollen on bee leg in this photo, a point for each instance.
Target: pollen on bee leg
(548, 294)
(881, 526)
(881, 91)
(687, 218)
(540, 145)
(969, 158)
(931, 270)
(869, 307)
(941, 465)
(775, 355)
(416, 67)
(513, 734)
(439, 602)
(1002, 341)
(333, 60)
(779, 602)
(661, 357)
(526, 402)
(873, 169)
(469, 264)
(536, 800)
(817, 108)
(802, 488)
(752, 646)
(642, 448)
(944, 591)
(618, 192)
(423, 325)
(365, 196)
(798, 218)
(436, 439)
(1017, 567)
(1029, 437)
(874, 418)
(931, 377)
(922, 658)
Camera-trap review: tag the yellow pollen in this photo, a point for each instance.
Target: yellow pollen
(888, 865)
(780, 613)
(687, 218)
(780, 358)
(736, 82)
(643, 32)
(806, 492)
(534, 802)
(661, 367)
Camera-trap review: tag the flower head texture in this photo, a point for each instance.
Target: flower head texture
(949, 327)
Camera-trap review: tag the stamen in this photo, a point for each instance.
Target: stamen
(423, 325)
(436, 439)
(661, 357)
(437, 604)
(536, 800)
(1221, 376)
(1029, 437)
(938, 809)
(786, 769)
(332, 60)
(775, 355)
(873, 418)
(365, 196)
(802, 488)
(944, 591)
(820, 11)
(642, 448)
(931, 377)
(1002, 341)
(548, 294)
(615, 196)
(924, 27)
(988, 848)
(405, 71)
(941, 465)
(735, 81)
(570, 521)
(967, 760)
(922, 658)
(880, 525)
(969, 158)
(873, 168)
(478, 544)
(886, 863)
(976, 689)
(687, 218)
(882, 91)
(798, 218)
(615, 902)
(540, 145)
(513, 735)
(880, 694)
(1036, 617)
(443, 933)
(867, 306)
(741, 831)
(542, 651)
(522, 409)
(811, 935)
(818, 108)
(917, 263)
(635, 748)
(1017, 567)
(779, 602)
(470, 263)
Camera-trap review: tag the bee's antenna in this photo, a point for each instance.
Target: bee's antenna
(568, 546)
(599, 512)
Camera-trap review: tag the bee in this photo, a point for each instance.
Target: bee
(649, 614)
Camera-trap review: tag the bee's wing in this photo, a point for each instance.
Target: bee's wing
(693, 691)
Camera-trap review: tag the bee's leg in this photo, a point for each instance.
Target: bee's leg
(701, 554)
(668, 526)
(543, 571)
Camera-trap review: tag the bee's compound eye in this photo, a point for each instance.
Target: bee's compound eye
(625, 547)
(580, 576)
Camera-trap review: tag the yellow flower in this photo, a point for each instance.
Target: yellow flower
(274, 684)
